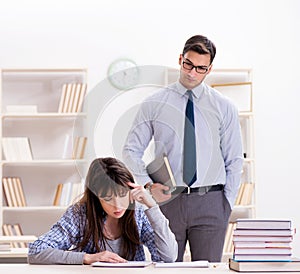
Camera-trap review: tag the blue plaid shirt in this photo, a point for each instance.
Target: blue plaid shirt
(68, 231)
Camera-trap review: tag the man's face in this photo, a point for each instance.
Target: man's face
(190, 63)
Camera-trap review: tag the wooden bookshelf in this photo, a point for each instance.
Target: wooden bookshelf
(31, 107)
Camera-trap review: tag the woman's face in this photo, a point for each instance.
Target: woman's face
(115, 205)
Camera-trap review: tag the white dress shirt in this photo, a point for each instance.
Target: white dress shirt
(218, 136)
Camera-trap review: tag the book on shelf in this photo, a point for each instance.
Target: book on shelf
(81, 97)
(64, 99)
(245, 194)
(13, 192)
(56, 201)
(65, 196)
(67, 149)
(7, 192)
(79, 147)
(14, 230)
(72, 96)
(239, 195)
(263, 224)
(16, 149)
(159, 170)
(68, 193)
(293, 265)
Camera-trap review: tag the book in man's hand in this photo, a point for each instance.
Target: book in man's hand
(159, 170)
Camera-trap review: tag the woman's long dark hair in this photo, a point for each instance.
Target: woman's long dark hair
(108, 175)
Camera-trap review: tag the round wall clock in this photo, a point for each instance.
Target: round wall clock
(123, 73)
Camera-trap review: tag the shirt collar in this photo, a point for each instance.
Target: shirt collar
(197, 91)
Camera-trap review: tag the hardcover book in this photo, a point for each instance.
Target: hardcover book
(263, 257)
(263, 224)
(263, 232)
(291, 266)
(160, 171)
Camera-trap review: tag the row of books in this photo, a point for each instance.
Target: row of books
(68, 193)
(13, 192)
(65, 194)
(13, 230)
(19, 148)
(79, 147)
(71, 100)
(72, 97)
(261, 241)
(74, 149)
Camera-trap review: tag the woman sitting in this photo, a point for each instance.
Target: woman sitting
(106, 224)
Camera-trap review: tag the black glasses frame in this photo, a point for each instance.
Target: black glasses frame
(199, 69)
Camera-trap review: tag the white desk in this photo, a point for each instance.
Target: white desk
(83, 269)
(218, 268)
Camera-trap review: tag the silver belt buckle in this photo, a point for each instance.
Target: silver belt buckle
(204, 190)
(188, 190)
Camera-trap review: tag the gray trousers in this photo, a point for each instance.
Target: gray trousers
(200, 219)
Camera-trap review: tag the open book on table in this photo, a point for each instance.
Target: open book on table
(193, 264)
(159, 170)
(201, 263)
(127, 264)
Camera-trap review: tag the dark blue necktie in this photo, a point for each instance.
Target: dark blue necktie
(189, 149)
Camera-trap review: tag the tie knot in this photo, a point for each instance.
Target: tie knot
(190, 94)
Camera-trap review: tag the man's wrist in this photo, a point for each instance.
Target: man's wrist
(148, 186)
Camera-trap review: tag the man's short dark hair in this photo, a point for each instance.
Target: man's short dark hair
(201, 45)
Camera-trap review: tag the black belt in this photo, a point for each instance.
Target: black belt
(200, 190)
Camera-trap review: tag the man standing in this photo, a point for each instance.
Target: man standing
(198, 129)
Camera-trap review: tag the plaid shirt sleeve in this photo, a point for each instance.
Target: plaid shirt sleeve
(64, 234)
(146, 236)
(68, 231)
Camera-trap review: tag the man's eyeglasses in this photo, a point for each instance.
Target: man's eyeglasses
(189, 66)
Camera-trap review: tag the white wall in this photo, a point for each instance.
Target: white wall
(263, 35)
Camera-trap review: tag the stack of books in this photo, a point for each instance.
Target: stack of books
(79, 147)
(13, 192)
(72, 97)
(259, 243)
(68, 193)
(14, 230)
